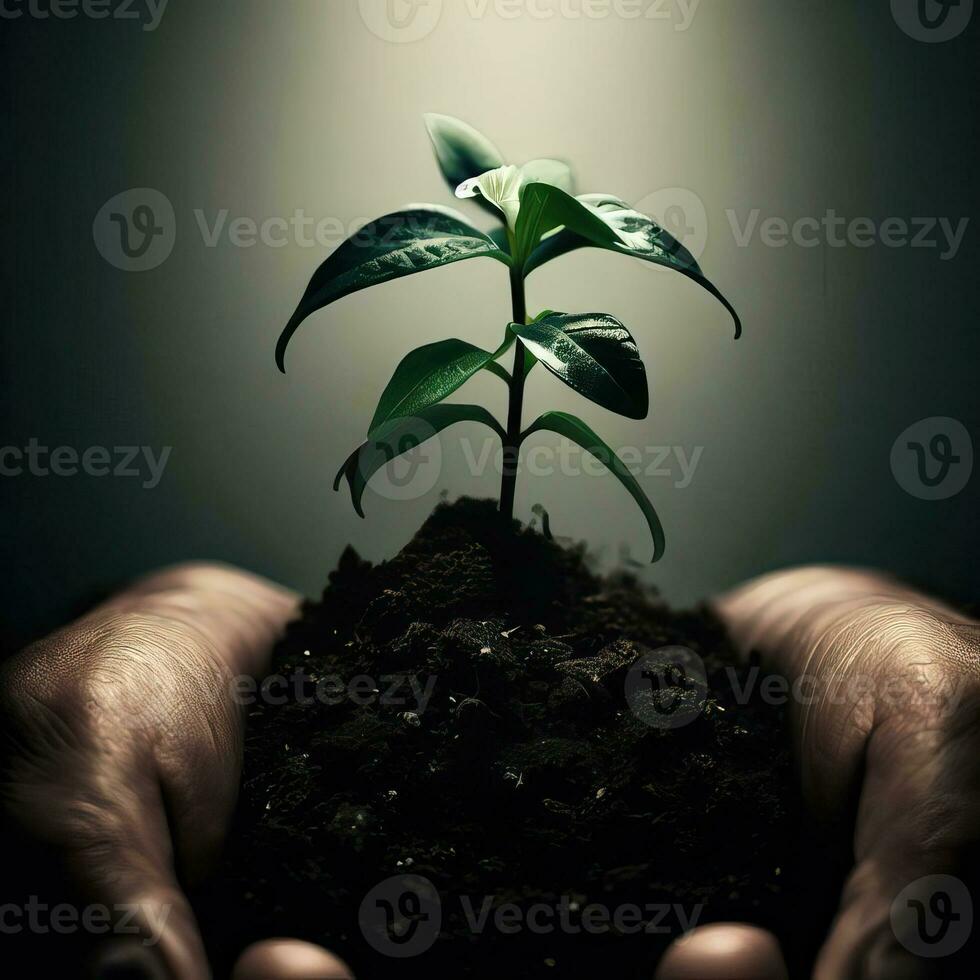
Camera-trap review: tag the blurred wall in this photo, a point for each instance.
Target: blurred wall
(741, 114)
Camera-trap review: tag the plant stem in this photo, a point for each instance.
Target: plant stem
(515, 405)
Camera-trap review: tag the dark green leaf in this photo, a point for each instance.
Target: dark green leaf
(545, 208)
(428, 375)
(425, 236)
(499, 236)
(594, 354)
(597, 220)
(462, 151)
(400, 436)
(577, 431)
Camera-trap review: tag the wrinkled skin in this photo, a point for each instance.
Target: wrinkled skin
(126, 750)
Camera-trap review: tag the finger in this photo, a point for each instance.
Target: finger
(289, 959)
(904, 908)
(121, 855)
(723, 951)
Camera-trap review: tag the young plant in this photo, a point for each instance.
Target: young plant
(593, 353)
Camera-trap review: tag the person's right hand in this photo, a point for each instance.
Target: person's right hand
(895, 717)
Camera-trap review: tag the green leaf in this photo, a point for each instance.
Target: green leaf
(424, 236)
(577, 431)
(402, 435)
(602, 221)
(594, 354)
(500, 236)
(462, 151)
(545, 208)
(428, 375)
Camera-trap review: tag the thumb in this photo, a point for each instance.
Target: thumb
(289, 959)
(723, 951)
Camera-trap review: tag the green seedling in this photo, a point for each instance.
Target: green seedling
(592, 353)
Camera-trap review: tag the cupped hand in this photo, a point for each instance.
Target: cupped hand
(123, 747)
(886, 709)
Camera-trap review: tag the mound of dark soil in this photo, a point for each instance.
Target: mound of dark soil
(483, 759)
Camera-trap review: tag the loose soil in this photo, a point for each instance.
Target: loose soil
(546, 770)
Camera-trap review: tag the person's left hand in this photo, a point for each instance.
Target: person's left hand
(123, 746)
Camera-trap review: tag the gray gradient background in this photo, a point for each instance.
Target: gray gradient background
(265, 107)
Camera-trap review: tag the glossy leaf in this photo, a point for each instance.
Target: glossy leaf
(597, 220)
(399, 436)
(545, 208)
(578, 432)
(428, 375)
(424, 236)
(594, 354)
(461, 150)
(500, 236)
